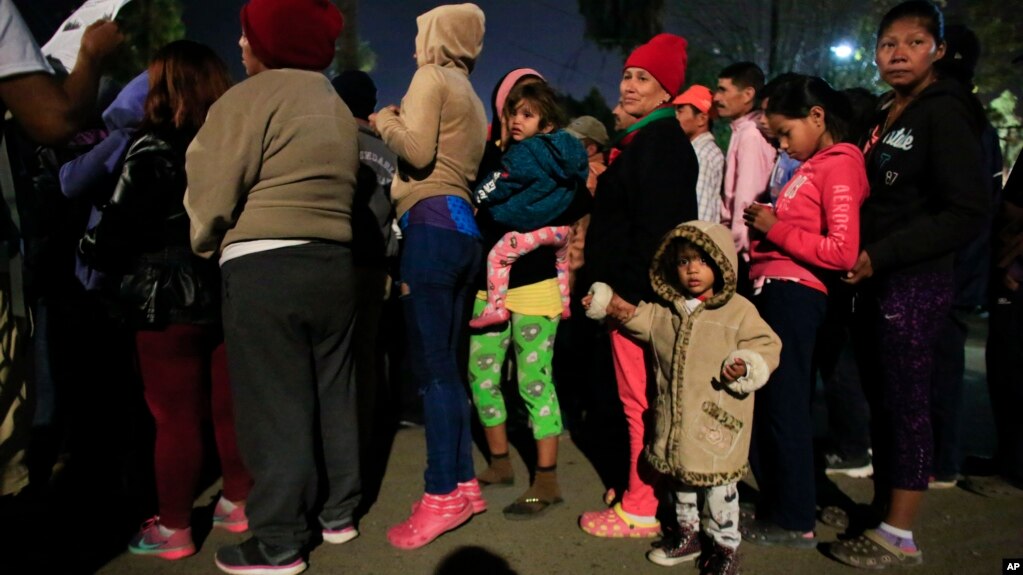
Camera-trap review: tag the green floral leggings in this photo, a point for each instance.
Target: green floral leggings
(533, 337)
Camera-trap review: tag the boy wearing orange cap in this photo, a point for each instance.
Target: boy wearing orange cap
(694, 109)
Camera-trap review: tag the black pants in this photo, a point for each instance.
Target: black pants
(288, 318)
(781, 453)
(848, 412)
(947, 394)
(1004, 350)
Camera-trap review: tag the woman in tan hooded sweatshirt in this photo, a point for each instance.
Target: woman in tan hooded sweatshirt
(439, 134)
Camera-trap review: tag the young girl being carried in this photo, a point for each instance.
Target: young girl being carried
(713, 350)
(542, 164)
(813, 228)
(539, 176)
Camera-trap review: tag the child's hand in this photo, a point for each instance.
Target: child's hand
(734, 371)
(760, 217)
(587, 300)
(620, 309)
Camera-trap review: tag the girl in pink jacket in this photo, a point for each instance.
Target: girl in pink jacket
(811, 233)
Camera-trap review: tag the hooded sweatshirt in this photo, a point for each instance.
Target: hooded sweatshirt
(818, 225)
(702, 426)
(927, 192)
(94, 174)
(539, 178)
(441, 130)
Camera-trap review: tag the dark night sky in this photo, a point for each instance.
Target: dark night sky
(542, 34)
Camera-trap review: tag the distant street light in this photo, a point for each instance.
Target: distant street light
(843, 51)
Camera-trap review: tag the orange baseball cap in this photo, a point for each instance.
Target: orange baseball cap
(699, 97)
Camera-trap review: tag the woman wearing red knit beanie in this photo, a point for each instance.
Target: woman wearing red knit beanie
(271, 179)
(648, 189)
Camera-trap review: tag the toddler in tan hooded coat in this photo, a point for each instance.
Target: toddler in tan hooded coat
(711, 351)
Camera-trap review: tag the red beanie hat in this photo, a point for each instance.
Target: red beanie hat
(292, 33)
(664, 56)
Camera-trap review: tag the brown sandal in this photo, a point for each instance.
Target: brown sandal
(835, 516)
(529, 507)
(872, 551)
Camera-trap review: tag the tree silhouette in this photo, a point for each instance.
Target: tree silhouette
(147, 25)
(619, 25)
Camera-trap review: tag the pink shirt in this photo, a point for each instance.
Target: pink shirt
(818, 225)
(748, 166)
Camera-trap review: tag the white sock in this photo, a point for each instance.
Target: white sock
(226, 505)
(900, 533)
(166, 531)
(640, 518)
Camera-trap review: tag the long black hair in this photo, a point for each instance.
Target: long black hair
(794, 97)
(928, 13)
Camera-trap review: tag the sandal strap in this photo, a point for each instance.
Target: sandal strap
(874, 537)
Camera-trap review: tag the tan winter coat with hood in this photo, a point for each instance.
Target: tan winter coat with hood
(702, 425)
(441, 129)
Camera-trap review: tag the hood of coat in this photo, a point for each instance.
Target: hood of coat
(129, 107)
(824, 160)
(450, 36)
(716, 240)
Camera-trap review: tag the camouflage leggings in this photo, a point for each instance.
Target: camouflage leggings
(15, 405)
(533, 337)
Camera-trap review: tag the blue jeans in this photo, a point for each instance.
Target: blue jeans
(437, 268)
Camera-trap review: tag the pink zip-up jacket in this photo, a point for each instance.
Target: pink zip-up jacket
(818, 225)
(748, 166)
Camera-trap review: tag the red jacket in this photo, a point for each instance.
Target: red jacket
(818, 225)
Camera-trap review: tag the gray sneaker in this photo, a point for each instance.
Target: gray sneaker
(858, 467)
(676, 548)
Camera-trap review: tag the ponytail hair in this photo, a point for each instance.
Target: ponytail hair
(794, 97)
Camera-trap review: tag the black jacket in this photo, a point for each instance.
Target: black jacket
(928, 193)
(646, 191)
(142, 239)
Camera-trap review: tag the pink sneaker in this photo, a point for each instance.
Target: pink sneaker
(427, 523)
(150, 540)
(234, 521)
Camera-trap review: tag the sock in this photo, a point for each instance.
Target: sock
(545, 485)
(898, 537)
(166, 531)
(638, 518)
(448, 504)
(226, 505)
(500, 470)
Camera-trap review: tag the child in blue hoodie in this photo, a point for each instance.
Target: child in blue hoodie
(541, 172)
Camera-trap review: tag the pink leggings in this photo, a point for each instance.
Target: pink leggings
(631, 372)
(184, 375)
(517, 244)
